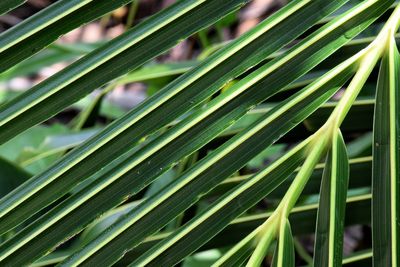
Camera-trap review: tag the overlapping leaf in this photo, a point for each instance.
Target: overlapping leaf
(120, 55)
(33, 34)
(141, 165)
(232, 156)
(123, 133)
(116, 148)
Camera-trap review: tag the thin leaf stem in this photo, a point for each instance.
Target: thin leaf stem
(268, 232)
(371, 56)
(318, 147)
(302, 252)
(393, 23)
(132, 14)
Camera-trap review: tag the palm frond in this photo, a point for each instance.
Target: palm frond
(301, 82)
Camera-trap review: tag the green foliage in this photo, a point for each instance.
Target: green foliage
(185, 175)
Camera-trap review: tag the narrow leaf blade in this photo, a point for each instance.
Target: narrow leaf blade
(386, 162)
(8, 5)
(330, 222)
(284, 252)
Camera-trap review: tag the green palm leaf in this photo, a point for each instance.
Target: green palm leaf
(284, 253)
(386, 164)
(43, 28)
(329, 233)
(183, 192)
(140, 44)
(76, 201)
(130, 134)
(225, 155)
(133, 126)
(7, 5)
(207, 224)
